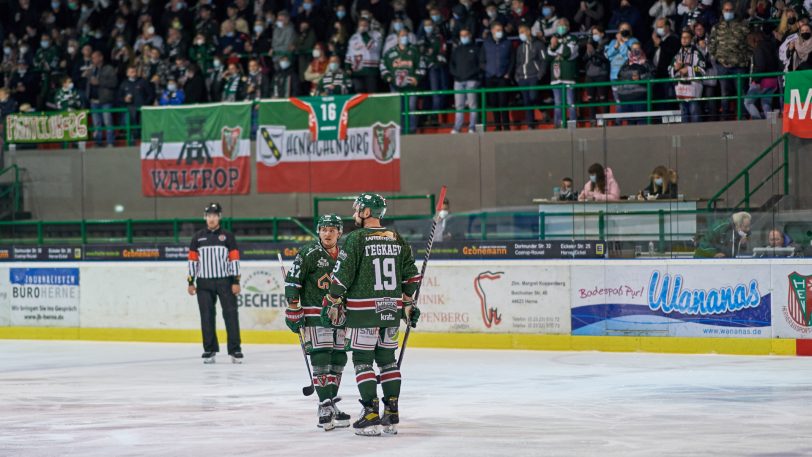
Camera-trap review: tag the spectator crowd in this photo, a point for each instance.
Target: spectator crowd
(103, 54)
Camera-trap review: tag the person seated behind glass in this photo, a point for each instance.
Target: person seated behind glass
(730, 238)
(662, 186)
(778, 239)
(567, 192)
(601, 185)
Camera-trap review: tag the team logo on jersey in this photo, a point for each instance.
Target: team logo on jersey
(230, 140)
(323, 263)
(324, 281)
(490, 316)
(384, 305)
(384, 141)
(221, 237)
(798, 306)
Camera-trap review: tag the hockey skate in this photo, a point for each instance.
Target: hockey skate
(369, 422)
(326, 415)
(236, 357)
(208, 357)
(390, 419)
(341, 419)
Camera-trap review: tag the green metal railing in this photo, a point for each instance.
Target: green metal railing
(15, 188)
(128, 227)
(430, 198)
(744, 175)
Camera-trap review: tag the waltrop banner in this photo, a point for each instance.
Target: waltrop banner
(690, 300)
(798, 103)
(47, 127)
(345, 143)
(196, 150)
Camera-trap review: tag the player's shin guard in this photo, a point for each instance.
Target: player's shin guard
(321, 375)
(338, 360)
(365, 375)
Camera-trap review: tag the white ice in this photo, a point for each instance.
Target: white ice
(95, 399)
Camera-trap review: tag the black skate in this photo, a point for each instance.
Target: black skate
(369, 422)
(236, 357)
(390, 418)
(341, 419)
(326, 415)
(208, 357)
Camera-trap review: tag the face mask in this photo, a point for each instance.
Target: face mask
(806, 35)
(69, 86)
(455, 16)
(50, 20)
(518, 11)
(307, 6)
(593, 178)
(171, 87)
(7, 50)
(465, 40)
(436, 18)
(362, 30)
(316, 53)
(596, 38)
(199, 42)
(132, 79)
(279, 24)
(120, 25)
(284, 64)
(498, 35)
(728, 15)
(258, 29)
(23, 50)
(658, 181)
(522, 37)
(625, 33)
(54, 5)
(332, 66)
(428, 29)
(150, 30)
(397, 26)
(443, 214)
(340, 14)
(492, 14)
(546, 11)
(792, 20)
(561, 30)
(707, 2)
(73, 6)
(217, 64)
(44, 44)
(742, 233)
(98, 35)
(661, 31)
(365, 16)
(404, 40)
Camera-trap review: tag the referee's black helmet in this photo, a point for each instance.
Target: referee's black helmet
(213, 207)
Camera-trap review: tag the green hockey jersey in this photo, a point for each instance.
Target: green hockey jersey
(309, 279)
(373, 271)
(398, 65)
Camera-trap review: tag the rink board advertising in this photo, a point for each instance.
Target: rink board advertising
(43, 297)
(200, 150)
(59, 127)
(342, 143)
(449, 250)
(709, 300)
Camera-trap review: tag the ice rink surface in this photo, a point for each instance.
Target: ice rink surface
(94, 399)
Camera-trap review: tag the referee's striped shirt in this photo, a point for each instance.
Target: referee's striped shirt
(213, 254)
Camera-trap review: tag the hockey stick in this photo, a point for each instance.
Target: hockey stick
(306, 390)
(423, 269)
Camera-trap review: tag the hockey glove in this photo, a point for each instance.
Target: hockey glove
(332, 312)
(294, 319)
(411, 313)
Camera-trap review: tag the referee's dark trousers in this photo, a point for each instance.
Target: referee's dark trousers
(207, 292)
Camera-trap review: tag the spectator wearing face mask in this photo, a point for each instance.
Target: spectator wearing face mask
(662, 9)
(597, 68)
(729, 238)
(601, 185)
(661, 186)
(215, 79)
(633, 96)
(285, 81)
(148, 37)
(797, 52)
(728, 45)
(491, 15)
(172, 95)
(233, 83)
(519, 16)
(133, 93)
(788, 25)
(590, 14)
(627, 13)
(260, 42)
(206, 26)
(121, 30)
(202, 53)
(316, 69)
(562, 54)
(364, 57)
(311, 13)
(46, 61)
(465, 64)
(66, 98)
(764, 60)
(402, 68)
(688, 63)
(394, 30)
(335, 80)
(567, 192)
(617, 51)
(544, 27)
(284, 37)
(662, 48)
(433, 48)
(499, 61)
(305, 42)
(531, 67)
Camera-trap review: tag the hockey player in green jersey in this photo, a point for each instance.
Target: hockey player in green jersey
(305, 286)
(371, 290)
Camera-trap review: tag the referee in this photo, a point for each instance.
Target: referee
(215, 262)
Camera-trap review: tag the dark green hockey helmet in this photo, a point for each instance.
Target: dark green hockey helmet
(374, 202)
(330, 220)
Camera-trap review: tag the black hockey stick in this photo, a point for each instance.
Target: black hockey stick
(423, 269)
(306, 390)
